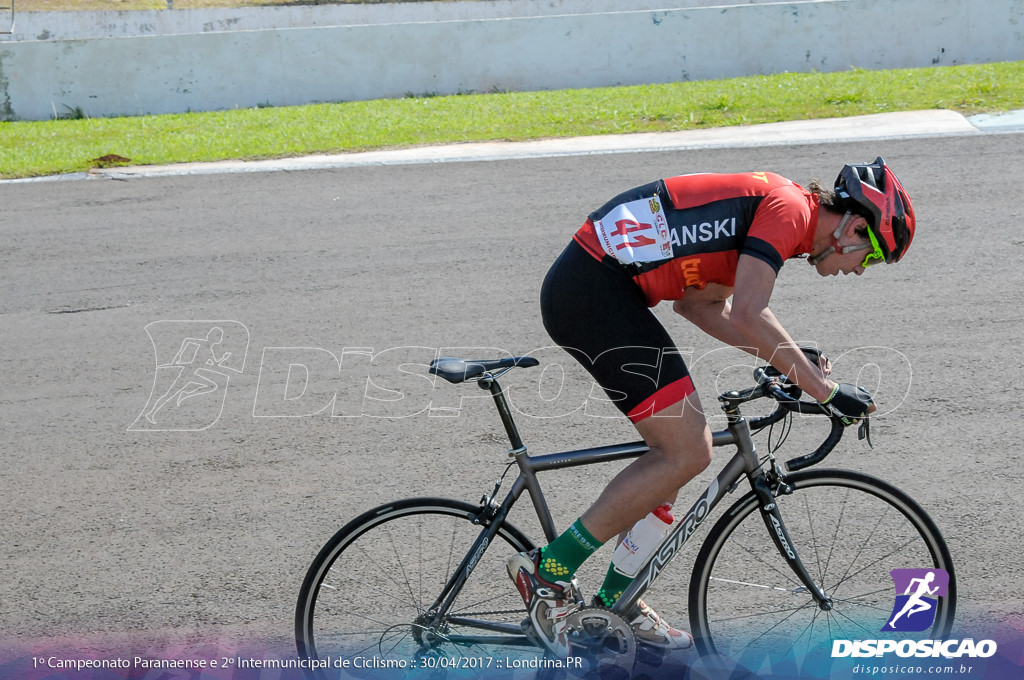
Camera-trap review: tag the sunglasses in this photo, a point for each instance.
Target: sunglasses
(876, 255)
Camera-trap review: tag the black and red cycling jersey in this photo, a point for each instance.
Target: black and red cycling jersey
(690, 230)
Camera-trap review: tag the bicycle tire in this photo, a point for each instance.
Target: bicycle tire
(364, 591)
(850, 530)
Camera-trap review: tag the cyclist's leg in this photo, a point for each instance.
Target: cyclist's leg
(600, 316)
(680, 443)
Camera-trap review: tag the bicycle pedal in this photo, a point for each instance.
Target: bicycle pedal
(575, 594)
(528, 630)
(650, 655)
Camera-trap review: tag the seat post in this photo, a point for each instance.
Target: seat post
(504, 412)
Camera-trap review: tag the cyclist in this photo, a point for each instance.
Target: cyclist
(697, 240)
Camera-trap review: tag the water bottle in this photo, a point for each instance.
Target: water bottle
(641, 541)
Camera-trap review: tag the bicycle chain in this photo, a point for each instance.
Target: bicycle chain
(499, 611)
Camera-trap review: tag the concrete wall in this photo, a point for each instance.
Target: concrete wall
(111, 24)
(220, 70)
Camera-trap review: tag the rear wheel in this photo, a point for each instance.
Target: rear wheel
(850, 530)
(369, 595)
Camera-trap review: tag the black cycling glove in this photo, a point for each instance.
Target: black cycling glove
(849, 403)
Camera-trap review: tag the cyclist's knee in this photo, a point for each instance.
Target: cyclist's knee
(694, 453)
(702, 452)
(680, 434)
(686, 450)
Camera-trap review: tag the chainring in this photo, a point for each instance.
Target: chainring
(601, 639)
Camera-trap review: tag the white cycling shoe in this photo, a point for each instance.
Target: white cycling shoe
(548, 603)
(651, 629)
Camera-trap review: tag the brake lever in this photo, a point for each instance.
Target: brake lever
(864, 431)
(778, 392)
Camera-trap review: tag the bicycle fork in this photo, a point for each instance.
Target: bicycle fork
(773, 521)
(766, 491)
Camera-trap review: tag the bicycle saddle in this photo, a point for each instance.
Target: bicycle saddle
(460, 370)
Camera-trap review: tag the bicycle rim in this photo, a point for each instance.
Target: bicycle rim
(367, 595)
(850, 530)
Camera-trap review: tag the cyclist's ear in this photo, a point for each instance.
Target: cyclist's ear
(857, 227)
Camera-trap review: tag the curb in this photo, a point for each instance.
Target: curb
(899, 125)
(874, 127)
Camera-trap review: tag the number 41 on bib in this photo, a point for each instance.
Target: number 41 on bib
(635, 232)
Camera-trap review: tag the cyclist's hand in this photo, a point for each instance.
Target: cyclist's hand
(825, 364)
(849, 403)
(818, 358)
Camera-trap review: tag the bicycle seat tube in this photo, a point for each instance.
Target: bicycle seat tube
(527, 473)
(490, 384)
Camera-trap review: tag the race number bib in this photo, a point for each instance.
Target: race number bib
(635, 232)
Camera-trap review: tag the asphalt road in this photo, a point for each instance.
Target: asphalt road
(196, 527)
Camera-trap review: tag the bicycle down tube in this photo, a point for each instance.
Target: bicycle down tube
(745, 461)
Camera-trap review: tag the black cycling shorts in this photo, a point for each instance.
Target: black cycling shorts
(597, 313)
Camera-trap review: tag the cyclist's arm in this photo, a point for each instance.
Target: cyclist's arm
(748, 323)
(708, 308)
(750, 315)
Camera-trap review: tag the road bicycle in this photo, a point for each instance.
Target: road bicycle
(801, 558)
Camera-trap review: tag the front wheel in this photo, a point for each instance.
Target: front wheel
(850, 530)
(370, 595)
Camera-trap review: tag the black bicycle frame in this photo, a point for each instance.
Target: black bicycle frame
(746, 462)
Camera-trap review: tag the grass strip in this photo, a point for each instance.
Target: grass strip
(69, 145)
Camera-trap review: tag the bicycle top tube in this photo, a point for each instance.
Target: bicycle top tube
(770, 384)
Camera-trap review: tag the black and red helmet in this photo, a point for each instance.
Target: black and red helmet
(873, 191)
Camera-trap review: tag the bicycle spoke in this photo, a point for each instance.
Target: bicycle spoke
(876, 561)
(370, 619)
(387, 594)
(860, 550)
(377, 581)
(419, 572)
(387, 652)
(383, 591)
(759, 585)
(758, 555)
(793, 613)
(773, 612)
(462, 611)
(855, 623)
(405, 577)
(451, 553)
(836, 532)
(851, 531)
(855, 598)
(814, 543)
(808, 629)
